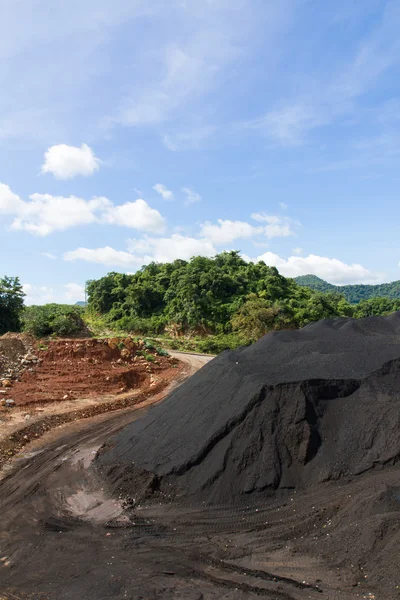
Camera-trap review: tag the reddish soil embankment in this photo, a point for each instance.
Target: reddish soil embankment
(72, 369)
(45, 385)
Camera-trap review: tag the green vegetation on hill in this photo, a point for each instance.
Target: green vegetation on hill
(352, 293)
(222, 296)
(315, 283)
(11, 304)
(205, 304)
(53, 319)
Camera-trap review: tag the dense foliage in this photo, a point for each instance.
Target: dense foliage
(352, 293)
(217, 295)
(315, 283)
(53, 319)
(11, 304)
(376, 306)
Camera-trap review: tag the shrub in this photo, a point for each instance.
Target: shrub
(53, 319)
(162, 352)
(219, 343)
(151, 325)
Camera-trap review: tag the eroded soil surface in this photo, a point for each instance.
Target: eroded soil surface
(62, 381)
(68, 369)
(62, 536)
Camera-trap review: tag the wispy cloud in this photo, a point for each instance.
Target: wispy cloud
(332, 97)
(191, 196)
(189, 138)
(161, 189)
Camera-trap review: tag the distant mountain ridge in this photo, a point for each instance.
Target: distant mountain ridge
(352, 293)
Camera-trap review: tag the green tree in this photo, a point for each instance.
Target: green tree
(255, 318)
(217, 296)
(376, 306)
(11, 304)
(53, 319)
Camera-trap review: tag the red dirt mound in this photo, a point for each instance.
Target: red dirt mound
(84, 368)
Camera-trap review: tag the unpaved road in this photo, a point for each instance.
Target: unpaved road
(63, 538)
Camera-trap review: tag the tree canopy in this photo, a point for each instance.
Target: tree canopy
(353, 293)
(11, 304)
(53, 319)
(209, 295)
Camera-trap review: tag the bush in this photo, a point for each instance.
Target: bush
(11, 304)
(161, 352)
(219, 343)
(151, 325)
(53, 319)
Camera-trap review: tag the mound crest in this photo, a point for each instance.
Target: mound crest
(295, 409)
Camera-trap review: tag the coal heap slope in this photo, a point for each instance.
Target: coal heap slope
(292, 410)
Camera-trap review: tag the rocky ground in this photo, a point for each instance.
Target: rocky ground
(17, 354)
(48, 383)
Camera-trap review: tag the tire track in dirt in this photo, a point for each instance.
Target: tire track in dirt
(187, 553)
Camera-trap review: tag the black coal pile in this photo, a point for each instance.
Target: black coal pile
(293, 410)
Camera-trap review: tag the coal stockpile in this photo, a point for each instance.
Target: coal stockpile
(293, 410)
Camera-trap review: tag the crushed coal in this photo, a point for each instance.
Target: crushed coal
(293, 410)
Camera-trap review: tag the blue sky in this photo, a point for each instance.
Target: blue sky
(139, 130)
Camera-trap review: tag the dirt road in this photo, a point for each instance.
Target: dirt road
(62, 537)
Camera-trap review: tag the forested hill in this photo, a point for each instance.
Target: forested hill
(316, 283)
(352, 293)
(220, 295)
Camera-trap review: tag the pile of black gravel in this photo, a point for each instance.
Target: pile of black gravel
(295, 409)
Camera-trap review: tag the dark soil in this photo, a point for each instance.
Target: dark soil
(296, 546)
(295, 409)
(295, 412)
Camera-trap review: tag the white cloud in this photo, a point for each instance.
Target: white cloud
(137, 215)
(36, 294)
(191, 196)
(226, 231)
(74, 292)
(283, 205)
(264, 218)
(66, 162)
(145, 250)
(277, 226)
(297, 251)
(49, 255)
(331, 269)
(161, 189)
(170, 248)
(44, 213)
(45, 294)
(10, 203)
(272, 231)
(105, 256)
